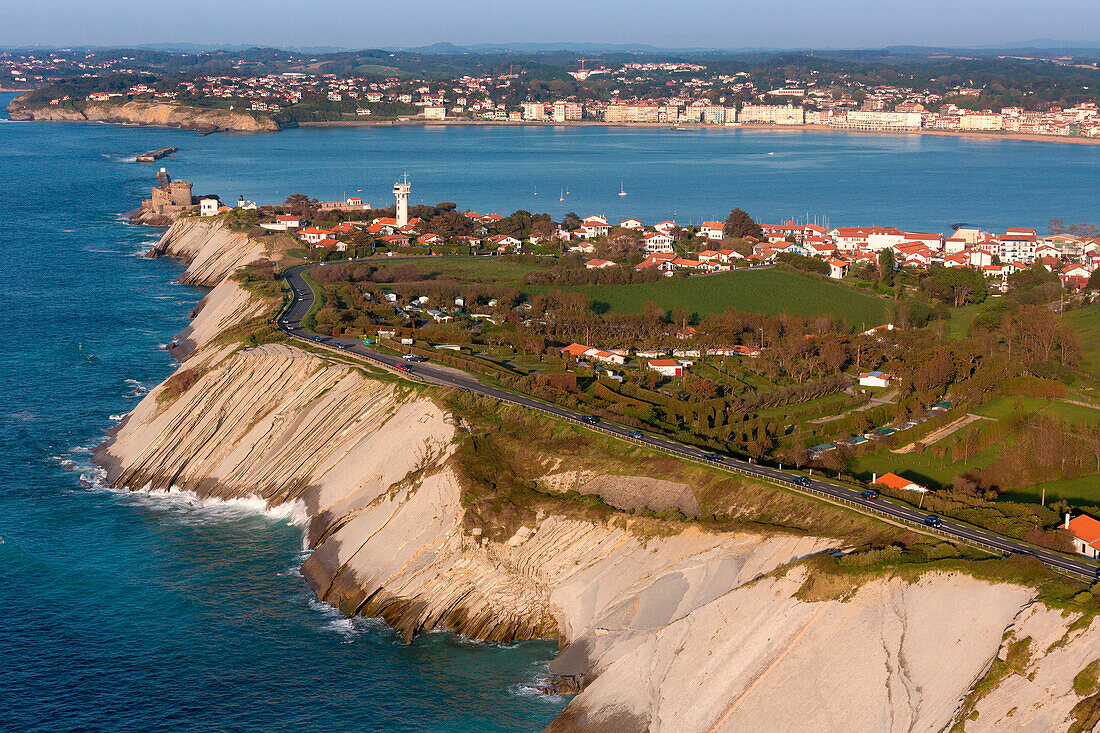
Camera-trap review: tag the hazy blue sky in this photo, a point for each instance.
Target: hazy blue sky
(681, 23)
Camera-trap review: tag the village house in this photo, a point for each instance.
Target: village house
(893, 481)
(712, 229)
(630, 224)
(598, 264)
(837, 268)
(874, 379)
(313, 235)
(1086, 535)
(657, 242)
(666, 367)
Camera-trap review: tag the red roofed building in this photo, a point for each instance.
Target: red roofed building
(712, 229)
(666, 367)
(1086, 535)
(893, 481)
(396, 240)
(598, 264)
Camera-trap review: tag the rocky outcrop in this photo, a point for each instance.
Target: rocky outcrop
(212, 249)
(159, 114)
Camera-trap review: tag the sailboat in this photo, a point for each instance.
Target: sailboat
(562, 196)
(536, 190)
(622, 192)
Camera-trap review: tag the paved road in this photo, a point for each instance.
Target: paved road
(290, 322)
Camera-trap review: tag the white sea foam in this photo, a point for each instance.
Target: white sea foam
(137, 388)
(334, 621)
(535, 689)
(118, 417)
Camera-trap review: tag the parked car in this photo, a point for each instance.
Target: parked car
(868, 494)
(933, 521)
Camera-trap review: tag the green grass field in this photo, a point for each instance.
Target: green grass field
(764, 291)
(1087, 322)
(481, 270)
(1000, 407)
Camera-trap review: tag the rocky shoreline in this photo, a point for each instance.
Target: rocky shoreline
(682, 630)
(146, 114)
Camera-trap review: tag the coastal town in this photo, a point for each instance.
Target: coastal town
(820, 388)
(671, 93)
(1072, 253)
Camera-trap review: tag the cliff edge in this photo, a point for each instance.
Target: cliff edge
(420, 510)
(159, 114)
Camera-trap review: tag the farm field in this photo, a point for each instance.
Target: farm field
(1087, 322)
(483, 270)
(762, 291)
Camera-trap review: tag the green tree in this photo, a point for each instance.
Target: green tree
(740, 225)
(886, 266)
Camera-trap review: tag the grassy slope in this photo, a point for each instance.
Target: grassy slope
(764, 291)
(483, 270)
(1087, 322)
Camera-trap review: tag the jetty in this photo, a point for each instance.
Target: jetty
(155, 155)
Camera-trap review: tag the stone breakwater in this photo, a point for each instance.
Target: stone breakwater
(158, 114)
(696, 631)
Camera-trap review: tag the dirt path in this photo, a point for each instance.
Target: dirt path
(885, 399)
(942, 432)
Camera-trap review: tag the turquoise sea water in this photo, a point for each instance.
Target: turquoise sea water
(121, 612)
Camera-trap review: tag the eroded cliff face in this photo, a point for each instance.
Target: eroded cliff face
(212, 249)
(688, 631)
(160, 114)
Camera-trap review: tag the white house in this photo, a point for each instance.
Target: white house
(656, 243)
(1086, 535)
(313, 235)
(666, 367)
(208, 207)
(630, 224)
(874, 379)
(712, 229)
(598, 264)
(837, 268)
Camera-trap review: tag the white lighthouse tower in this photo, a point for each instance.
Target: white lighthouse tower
(401, 193)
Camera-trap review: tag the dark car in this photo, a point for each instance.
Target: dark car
(933, 521)
(801, 481)
(868, 494)
(634, 434)
(714, 457)
(589, 419)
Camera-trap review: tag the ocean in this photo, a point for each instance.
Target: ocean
(127, 612)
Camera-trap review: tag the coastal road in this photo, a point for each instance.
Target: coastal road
(290, 322)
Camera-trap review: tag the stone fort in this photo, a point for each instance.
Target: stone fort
(169, 197)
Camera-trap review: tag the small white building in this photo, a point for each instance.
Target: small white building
(666, 367)
(1086, 535)
(208, 207)
(874, 379)
(598, 264)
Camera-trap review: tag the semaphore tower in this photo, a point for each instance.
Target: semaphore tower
(401, 193)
